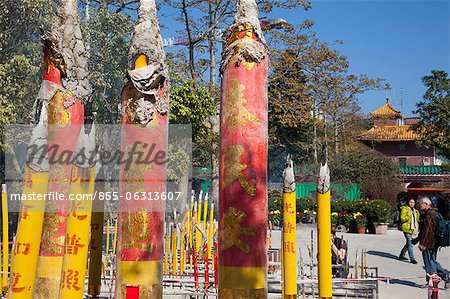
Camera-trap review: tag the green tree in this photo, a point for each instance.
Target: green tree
(20, 55)
(107, 37)
(312, 95)
(434, 112)
(379, 176)
(20, 60)
(200, 22)
(194, 104)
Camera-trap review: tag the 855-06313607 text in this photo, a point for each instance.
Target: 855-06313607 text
(98, 195)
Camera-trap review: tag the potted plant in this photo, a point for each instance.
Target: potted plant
(381, 211)
(334, 221)
(345, 219)
(360, 222)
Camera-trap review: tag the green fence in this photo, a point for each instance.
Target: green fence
(349, 191)
(308, 190)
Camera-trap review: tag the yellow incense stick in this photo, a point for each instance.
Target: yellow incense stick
(5, 240)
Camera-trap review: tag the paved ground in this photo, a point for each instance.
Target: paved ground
(383, 251)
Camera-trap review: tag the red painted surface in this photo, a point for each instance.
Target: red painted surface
(51, 73)
(135, 199)
(141, 236)
(64, 128)
(132, 292)
(216, 265)
(429, 189)
(195, 261)
(206, 260)
(253, 137)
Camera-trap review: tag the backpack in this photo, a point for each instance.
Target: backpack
(397, 221)
(443, 234)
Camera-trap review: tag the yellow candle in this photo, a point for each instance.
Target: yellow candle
(205, 212)
(182, 250)
(191, 215)
(28, 238)
(289, 234)
(166, 252)
(107, 243)
(197, 233)
(5, 238)
(77, 238)
(324, 232)
(210, 230)
(174, 250)
(114, 245)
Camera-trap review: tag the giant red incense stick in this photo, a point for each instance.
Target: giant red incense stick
(65, 117)
(243, 159)
(144, 129)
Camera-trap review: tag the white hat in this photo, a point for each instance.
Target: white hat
(425, 200)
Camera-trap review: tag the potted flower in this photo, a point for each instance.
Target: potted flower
(345, 219)
(360, 222)
(381, 211)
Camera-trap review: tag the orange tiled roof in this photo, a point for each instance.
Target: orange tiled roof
(387, 110)
(389, 133)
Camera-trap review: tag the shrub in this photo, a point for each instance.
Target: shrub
(275, 205)
(359, 219)
(334, 219)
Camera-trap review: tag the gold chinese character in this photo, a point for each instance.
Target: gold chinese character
(136, 230)
(232, 229)
(234, 110)
(233, 169)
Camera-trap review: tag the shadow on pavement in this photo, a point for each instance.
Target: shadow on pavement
(383, 254)
(406, 283)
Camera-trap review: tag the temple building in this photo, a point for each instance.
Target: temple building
(392, 136)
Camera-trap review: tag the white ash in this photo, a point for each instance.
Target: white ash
(251, 51)
(324, 179)
(68, 29)
(288, 177)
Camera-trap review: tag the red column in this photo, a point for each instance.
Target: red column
(243, 160)
(144, 139)
(65, 116)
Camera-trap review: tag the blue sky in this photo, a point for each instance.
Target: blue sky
(400, 41)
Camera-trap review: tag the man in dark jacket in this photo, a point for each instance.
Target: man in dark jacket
(427, 240)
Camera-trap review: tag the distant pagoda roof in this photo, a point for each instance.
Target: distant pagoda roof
(386, 111)
(390, 133)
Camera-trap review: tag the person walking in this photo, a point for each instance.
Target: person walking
(409, 218)
(427, 240)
